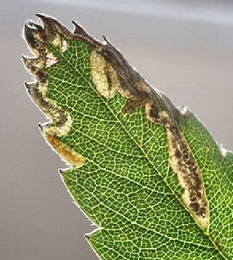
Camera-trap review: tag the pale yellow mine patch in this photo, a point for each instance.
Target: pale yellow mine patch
(51, 59)
(100, 68)
(124, 92)
(147, 110)
(64, 46)
(43, 88)
(57, 40)
(142, 87)
(65, 152)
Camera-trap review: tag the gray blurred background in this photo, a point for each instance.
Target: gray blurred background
(184, 48)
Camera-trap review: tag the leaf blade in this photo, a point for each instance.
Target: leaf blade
(111, 130)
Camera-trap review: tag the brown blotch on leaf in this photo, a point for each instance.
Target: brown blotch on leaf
(195, 207)
(131, 105)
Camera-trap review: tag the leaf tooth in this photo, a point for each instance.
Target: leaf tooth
(83, 35)
(29, 35)
(54, 31)
(48, 27)
(80, 31)
(37, 96)
(33, 64)
(88, 237)
(60, 171)
(30, 85)
(39, 29)
(35, 38)
(40, 127)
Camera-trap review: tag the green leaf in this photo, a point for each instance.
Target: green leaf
(147, 173)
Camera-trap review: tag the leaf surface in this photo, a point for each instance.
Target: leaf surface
(148, 175)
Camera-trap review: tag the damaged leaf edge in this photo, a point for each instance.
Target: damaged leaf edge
(106, 59)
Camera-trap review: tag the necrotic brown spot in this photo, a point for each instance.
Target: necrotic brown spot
(184, 165)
